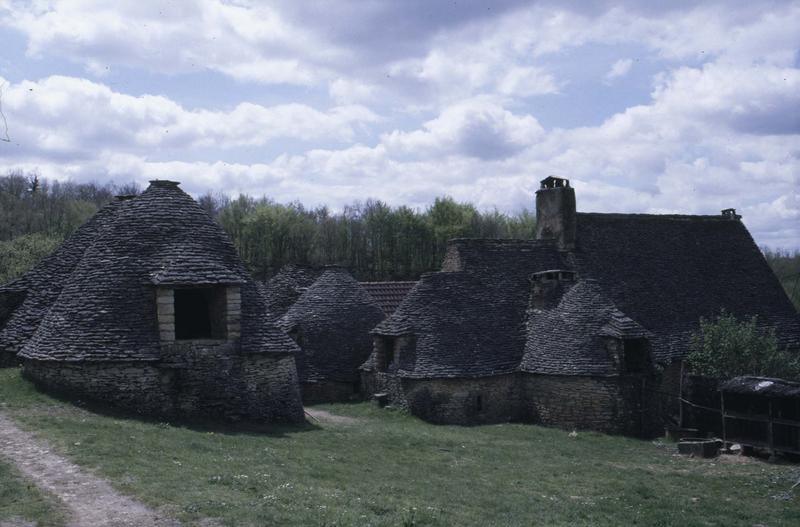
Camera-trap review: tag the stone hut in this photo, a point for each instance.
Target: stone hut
(761, 412)
(588, 364)
(283, 289)
(598, 307)
(330, 323)
(159, 316)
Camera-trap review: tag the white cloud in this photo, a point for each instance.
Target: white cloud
(249, 42)
(459, 102)
(474, 128)
(66, 116)
(619, 69)
(350, 91)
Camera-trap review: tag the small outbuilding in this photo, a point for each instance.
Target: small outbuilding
(154, 312)
(762, 412)
(330, 322)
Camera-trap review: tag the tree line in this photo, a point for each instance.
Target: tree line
(374, 240)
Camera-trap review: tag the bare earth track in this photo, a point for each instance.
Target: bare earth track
(89, 499)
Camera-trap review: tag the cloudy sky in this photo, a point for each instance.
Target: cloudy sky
(646, 106)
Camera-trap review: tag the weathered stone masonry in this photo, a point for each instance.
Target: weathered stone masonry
(158, 316)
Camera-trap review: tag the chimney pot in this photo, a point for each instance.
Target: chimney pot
(555, 212)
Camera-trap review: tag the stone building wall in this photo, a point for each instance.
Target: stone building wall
(465, 401)
(373, 382)
(138, 387)
(462, 401)
(603, 404)
(194, 381)
(617, 405)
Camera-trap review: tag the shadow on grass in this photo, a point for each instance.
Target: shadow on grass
(225, 426)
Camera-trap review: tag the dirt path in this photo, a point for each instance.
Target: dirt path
(90, 500)
(324, 416)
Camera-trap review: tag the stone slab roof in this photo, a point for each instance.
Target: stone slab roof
(388, 295)
(40, 287)
(469, 321)
(568, 338)
(106, 308)
(332, 319)
(667, 271)
(656, 276)
(283, 289)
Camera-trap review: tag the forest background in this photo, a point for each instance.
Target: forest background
(372, 239)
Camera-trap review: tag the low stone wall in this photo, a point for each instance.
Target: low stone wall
(329, 392)
(195, 382)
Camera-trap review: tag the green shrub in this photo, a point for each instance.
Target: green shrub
(726, 347)
(23, 252)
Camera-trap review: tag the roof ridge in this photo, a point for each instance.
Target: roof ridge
(645, 216)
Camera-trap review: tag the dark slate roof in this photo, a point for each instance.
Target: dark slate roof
(763, 386)
(568, 338)
(334, 318)
(283, 289)
(469, 321)
(667, 271)
(659, 274)
(388, 295)
(106, 309)
(41, 286)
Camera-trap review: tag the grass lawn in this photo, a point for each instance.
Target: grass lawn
(392, 469)
(21, 501)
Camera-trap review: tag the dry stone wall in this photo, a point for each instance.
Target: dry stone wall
(194, 380)
(603, 404)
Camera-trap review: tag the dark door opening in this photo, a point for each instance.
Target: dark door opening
(636, 356)
(199, 313)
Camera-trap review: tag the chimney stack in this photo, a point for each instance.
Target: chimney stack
(555, 212)
(547, 287)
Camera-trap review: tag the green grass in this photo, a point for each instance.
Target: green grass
(392, 469)
(20, 501)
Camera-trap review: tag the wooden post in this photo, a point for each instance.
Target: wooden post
(724, 428)
(769, 431)
(680, 398)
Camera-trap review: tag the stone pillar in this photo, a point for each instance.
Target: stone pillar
(233, 304)
(165, 302)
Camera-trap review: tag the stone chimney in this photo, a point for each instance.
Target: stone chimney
(555, 212)
(730, 214)
(547, 287)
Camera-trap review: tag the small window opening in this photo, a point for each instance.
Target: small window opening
(200, 313)
(384, 352)
(635, 356)
(479, 403)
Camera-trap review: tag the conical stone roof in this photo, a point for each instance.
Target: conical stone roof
(332, 321)
(106, 309)
(27, 299)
